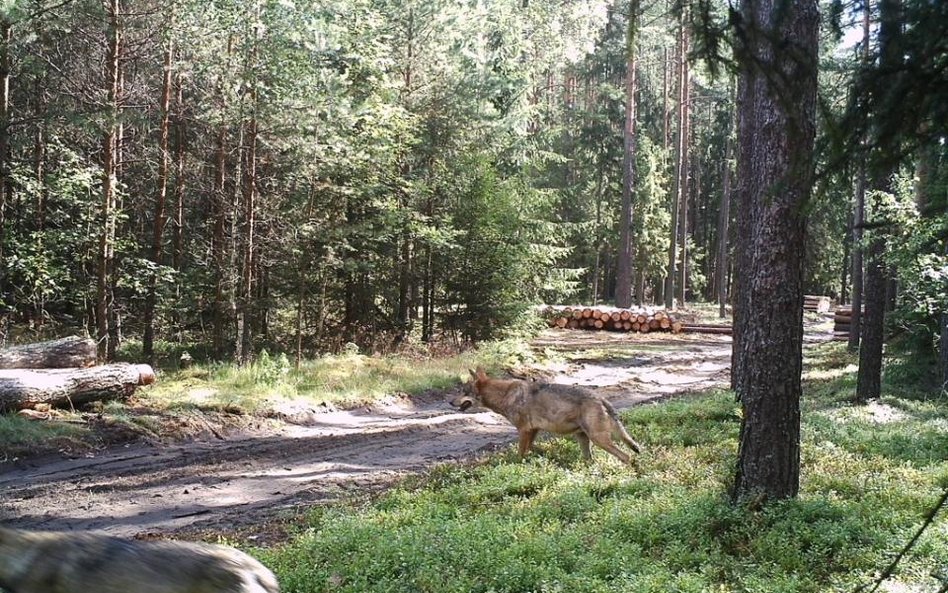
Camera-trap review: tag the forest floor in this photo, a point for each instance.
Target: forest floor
(250, 483)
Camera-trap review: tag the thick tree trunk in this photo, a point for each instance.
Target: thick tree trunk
(24, 388)
(777, 56)
(625, 256)
(63, 353)
(151, 298)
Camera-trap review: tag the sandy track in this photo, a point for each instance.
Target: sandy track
(145, 489)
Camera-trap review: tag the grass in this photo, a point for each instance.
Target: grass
(19, 435)
(341, 380)
(168, 407)
(553, 523)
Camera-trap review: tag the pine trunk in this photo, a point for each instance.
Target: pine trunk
(777, 60)
(683, 161)
(670, 272)
(623, 296)
(107, 212)
(245, 307)
(25, 388)
(151, 299)
(55, 354)
(6, 36)
(881, 167)
(724, 215)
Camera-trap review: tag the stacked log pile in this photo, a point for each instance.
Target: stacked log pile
(816, 303)
(625, 320)
(61, 373)
(842, 320)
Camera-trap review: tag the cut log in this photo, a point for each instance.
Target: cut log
(24, 388)
(706, 329)
(817, 303)
(68, 352)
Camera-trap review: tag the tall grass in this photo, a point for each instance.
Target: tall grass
(343, 380)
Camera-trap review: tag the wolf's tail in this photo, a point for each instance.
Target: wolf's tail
(620, 429)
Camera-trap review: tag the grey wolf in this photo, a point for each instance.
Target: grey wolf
(560, 409)
(87, 562)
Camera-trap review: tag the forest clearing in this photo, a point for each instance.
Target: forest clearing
(317, 455)
(253, 251)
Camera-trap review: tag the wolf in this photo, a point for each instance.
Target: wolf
(88, 562)
(560, 409)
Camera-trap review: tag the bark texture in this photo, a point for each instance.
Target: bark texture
(624, 264)
(777, 53)
(24, 388)
(63, 353)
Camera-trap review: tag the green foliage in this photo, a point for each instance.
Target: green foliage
(490, 258)
(553, 523)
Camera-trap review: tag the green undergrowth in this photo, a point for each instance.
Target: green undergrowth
(553, 523)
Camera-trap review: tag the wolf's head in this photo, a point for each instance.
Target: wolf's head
(470, 395)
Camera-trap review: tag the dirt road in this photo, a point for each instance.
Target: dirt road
(240, 480)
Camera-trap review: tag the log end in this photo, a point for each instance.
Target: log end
(146, 374)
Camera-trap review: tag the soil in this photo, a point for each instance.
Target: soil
(250, 483)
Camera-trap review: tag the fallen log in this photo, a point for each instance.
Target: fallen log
(707, 329)
(65, 353)
(25, 388)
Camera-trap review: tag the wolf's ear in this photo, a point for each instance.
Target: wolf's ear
(473, 374)
(480, 373)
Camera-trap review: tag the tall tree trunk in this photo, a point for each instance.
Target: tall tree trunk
(844, 269)
(219, 245)
(859, 210)
(855, 326)
(777, 58)
(109, 148)
(881, 167)
(177, 241)
(869, 378)
(676, 194)
(683, 160)
(246, 304)
(148, 339)
(598, 239)
(724, 215)
(6, 36)
(624, 269)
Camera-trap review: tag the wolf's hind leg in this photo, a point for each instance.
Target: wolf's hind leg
(604, 440)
